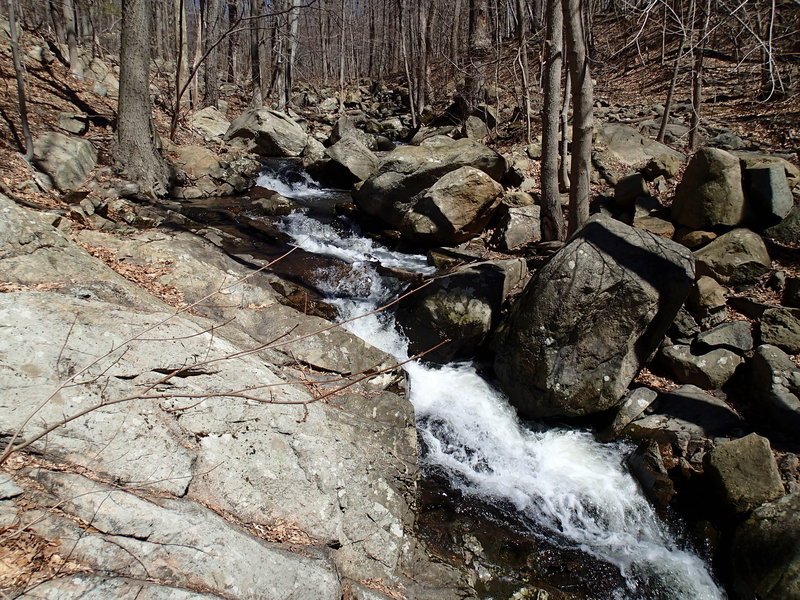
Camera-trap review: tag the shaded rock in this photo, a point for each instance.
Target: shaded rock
(516, 199)
(736, 336)
(634, 404)
(629, 189)
(791, 292)
(454, 209)
(584, 326)
(710, 193)
(708, 370)
(739, 256)
(684, 328)
(210, 122)
(66, 160)
(462, 306)
(769, 198)
(408, 170)
(664, 165)
(781, 327)
(753, 160)
(694, 239)
(648, 468)
(355, 157)
(787, 230)
(426, 133)
(268, 133)
(744, 473)
(518, 226)
(687, 411)
(475, 128)
(345, 128)
(655, 225)
(776, 382)
(766, 552)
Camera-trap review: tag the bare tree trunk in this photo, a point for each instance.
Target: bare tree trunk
(23, 107)
(211, 15)
(551, 215)
(522, 37)
(406, 65)
(563, 169)
(341, 57)
(581, 155)
(58, 21)
(697, 80)
(136, 149)
(75, 65)
(455, 38)
(480, 44)
(292, 50)
(181, 49)
(256, 40)
(422, 58)
(662, 130)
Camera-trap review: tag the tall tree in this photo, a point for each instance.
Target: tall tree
(480, 44)
(582, 118)
(75, 65)
(210, 10)
(23, 110)
(136, 149)
(551, 216)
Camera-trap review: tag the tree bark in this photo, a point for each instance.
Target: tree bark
(697, 80)
(522, 38)
(58, 21)
(136, 150)
(256, 43)
(211, 11)
(551, 215)
(563, 167)
(581, 155)
(480, 44)
(181, 49)
(75, 65)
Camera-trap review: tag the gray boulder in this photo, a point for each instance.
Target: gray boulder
(625, 145)
(710, 193)
(210, 122)
(629, 189)
(708, 300)
(475, 128)
(736, 336)
(345, 128)
(739, 256)
(647, 466)
(454, 209)
(408, 170)
(769, 198)
(518, 226)
(744, 473)
(355, 157)
(67, 160)
(268, 132)
(462, 306)
(776, 383)
(708, 370)
(781, 327)
(686, 412)
(766, 552)
(787, 230)
(632, 407)
(592, 316)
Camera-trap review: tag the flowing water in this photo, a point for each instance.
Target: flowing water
(558, 481)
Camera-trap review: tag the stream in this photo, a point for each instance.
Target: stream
(552, 482)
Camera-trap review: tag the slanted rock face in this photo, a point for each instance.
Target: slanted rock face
(766, 554)
(462, 306)
(776, 382)
(710, 193)
(744, 473)
(355, 157)
(408, 170)
(67, 160)
(269, 133)
(768, 194)
(584, 326)
(736, 257)
(454, 209)
(210, 122)
(623, 144)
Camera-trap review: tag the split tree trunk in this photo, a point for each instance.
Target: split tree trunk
(23, 107)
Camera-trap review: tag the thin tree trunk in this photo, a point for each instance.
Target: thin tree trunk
(697, 81)
(480, 45)
(662, 130)
(581, 155)
(23, 107)
(181, 49)
(341, 58)
(58, 21)
(551, 215)
(136, 150)
(522, 37)
(292, 52)
(455, 39)
(75, 65)
(211, 13)
(404, 51)
(563, 170)
(256, 38)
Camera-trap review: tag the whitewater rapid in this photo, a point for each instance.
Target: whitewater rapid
(559, 481)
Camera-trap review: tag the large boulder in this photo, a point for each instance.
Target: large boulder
(787, 230)
(766, 552)
(454, 209)
(197, 161)
(710, 193)
(768, 195)
(622, 148)
(462, 306)
(775, 380)
(736, 257)
(744, 473)
(781, 327)
(518, 225)
(408, 170)
(706, 369)
(345, 128)
(269, 133)
(210, 122)
(593, 315)
(66, 160)
(358, 160)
